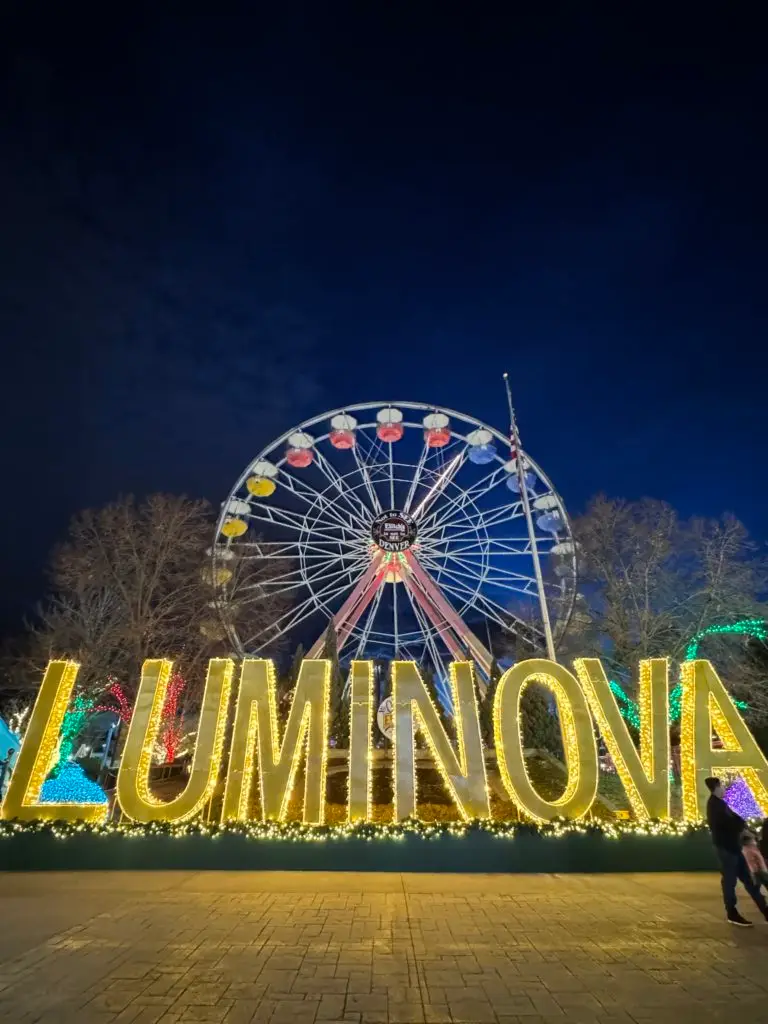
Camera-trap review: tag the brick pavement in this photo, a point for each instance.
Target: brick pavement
(284, 948)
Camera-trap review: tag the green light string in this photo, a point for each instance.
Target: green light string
(74, 720)
(755, 628)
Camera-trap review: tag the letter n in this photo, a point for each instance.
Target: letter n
(464, 775)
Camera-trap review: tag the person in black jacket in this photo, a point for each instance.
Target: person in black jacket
(726, 828)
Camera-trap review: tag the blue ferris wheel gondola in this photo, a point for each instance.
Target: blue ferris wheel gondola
(513, 482)
(482, 454)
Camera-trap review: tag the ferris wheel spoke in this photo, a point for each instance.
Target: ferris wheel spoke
(301, 579)
(480, 521)
(276, 516)
(296, 549)
(363, 469)
(317, 502)
(491, 546)
(501, 615)
(320, 504)
(357, 507)
(486, 572)
(369, 620)
(391, 478)
(295, 616)
(467, 497)
(416, 478)
(438, 488)
(428, 631)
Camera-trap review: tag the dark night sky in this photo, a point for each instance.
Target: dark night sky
(215, 226)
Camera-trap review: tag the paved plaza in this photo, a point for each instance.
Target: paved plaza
(140, 948)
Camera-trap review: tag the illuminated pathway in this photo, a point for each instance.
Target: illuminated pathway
(295, 948)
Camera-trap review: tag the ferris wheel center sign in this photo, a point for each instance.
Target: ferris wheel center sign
(393, 531)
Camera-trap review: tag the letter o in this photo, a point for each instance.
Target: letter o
(578, 740)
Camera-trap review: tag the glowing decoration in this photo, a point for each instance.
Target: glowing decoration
(172, 733)
(464, 776)
(133, 789)
(260, 486)
(342, 435)
(740, 799)
(72, 786)
(645, 776)
(296, 832)
(578, 740)
(390, 425)
(38, 751)
(259, 747)
(71, 727)
(256, 729)
(755, 628)
(437, 431)
(122, 707)
(359, 800)
(234, 527)
(706, 707)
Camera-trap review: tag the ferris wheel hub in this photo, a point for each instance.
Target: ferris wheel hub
(393, 531)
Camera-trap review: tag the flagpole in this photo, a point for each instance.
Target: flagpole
(515, 438)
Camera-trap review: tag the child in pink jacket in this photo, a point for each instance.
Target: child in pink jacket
(754, 858)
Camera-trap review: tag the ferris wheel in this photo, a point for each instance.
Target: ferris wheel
(419, 531)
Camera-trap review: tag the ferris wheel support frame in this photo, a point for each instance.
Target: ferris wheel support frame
(518, 456)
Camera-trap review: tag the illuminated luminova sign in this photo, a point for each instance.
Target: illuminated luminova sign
(261, 757)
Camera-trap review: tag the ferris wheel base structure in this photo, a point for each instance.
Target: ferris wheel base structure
(395, 521)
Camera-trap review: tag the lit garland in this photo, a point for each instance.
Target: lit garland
(408, 828)
(755, 628)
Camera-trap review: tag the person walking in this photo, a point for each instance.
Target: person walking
(726, 828)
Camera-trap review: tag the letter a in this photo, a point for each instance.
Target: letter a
(707, 706)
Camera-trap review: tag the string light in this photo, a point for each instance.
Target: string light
(133, 779)
(38, 751)
(257, 730)
(645, 775)
(412, 828)
(707, 706)
(578, 740)
(464, 777)
(755, 628)
(360, 782)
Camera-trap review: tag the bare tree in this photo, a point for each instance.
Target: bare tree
(133, 581)
(651, 581)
